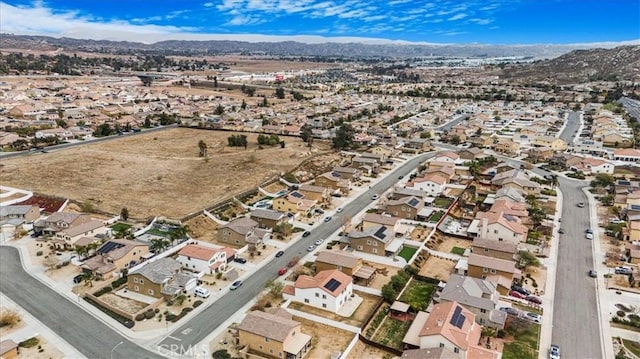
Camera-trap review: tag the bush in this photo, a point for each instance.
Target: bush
(29, 343)
(156, 310)
(39, 253)
(9, 317)
(187, 309)
(634, 317)
(620, 313)
(140, 317)
(149, 314)
(102, 291)
(501, 334)
(197, 303)
(221, 354)
(118, 282)
(171, 317)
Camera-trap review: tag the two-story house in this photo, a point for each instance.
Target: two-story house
(333, 181)
(405, 207)
(294, 202)
(162, 278)
(376, 240)
(241, 232)
(477, 295)
(346, 263)
(115, 255)
(497, 249)
(59, 220)
(203, 259)
(450, 326)
(68, 236)
(374, 220)
(432, 184)
(273, 334)
(27, 213)
(328, 290)
(500, 226)
(349, 173)
(500, 271)
(267, 218)
(316, 193)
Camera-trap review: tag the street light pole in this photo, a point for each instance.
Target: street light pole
(114, 348)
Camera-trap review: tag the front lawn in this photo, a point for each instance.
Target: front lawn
(418, 295)
(524, 344)
(457, 250)
(407, 253)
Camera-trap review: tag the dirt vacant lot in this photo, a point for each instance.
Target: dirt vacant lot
(152, 174)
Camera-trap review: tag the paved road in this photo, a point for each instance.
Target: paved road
(573, 124)
(632, 106)
(576, 327)
(83, 143)
(455, 121)
(87, 334)
(194, 331)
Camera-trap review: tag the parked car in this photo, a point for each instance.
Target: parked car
(554, 352)
(311, 248)
(510, 311)
(336, 194)
(282, 271)
(306, 234)
(581, 204)
(593, 273)
(521, 290)
(239, 260)
(533, 299)
(589, 236)
(624, 270)
(79, 278)
(375, 196)
(319, 211)
(235, 285)
(561, 231)
(534, 317)
(318, 241)
(279, 254)
(327, 219)
(516, 294)
(201, 292)
(589, 230)
(400, 177)
(339, 209)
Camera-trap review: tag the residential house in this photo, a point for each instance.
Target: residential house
(328, 290)
(67, 237)
(365, 164)
(496, 249)
(405, 207)
(429, 353)
(376, 240)
(451, 326)
(316, 193)
(349, 173)
(511, 193)
(267, 218)
(417, 145)
(632, 252)
(448, 156)
(294, 202)
(500, 226)
(27, 213)
(518, 179)
(204, 259)
(614, 139)
(479, 296)
(241, 232)
(273, 334)
(333, 181)
(556, 144)
(512, 208)
(59, 220)
(162, 278)
(432, 184)
(374, 220)
(540, 154)
(506, 147)
(8, 349)
(115, 255)
(589, 165)
(346, 263)
(630, 155)
(471, 154)
(500, 271)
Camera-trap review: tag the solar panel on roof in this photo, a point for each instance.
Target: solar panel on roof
(332, 284)
(297, 194)
(110, 246)
(414, 202)
(336, 174)
(457, 319)
(380, 233)
(624, 183)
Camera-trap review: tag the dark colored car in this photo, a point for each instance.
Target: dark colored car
(279, 254)
(515, 294)
(561, 231)
(239, 260)
(77, 279)
(521, 290)
(534, 299)
(510, 311)
(306, 234)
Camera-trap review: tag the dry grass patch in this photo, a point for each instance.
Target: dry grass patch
(326, 339)
(437, 268)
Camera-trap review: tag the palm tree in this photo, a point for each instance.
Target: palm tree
(82, 251)
(159, 244)
(554, 181)
(88, 278)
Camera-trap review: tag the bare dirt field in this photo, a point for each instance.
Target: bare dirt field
(153, 174)
(449, 242)
(363, 351)
(357, 319)
(326, 339)
(44, 350)
(203, 228)
(380, 280)
(437, 268)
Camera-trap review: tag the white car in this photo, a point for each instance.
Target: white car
(339, 209)
(319, 241)
(534, 317)
(201, 292)
(589, 236)
(375, 196)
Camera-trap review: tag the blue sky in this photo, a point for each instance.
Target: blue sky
(479, 21)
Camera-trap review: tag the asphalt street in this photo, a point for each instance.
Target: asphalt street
(449, 125)
(573, 124)
(87, 334)
(632, 106)
(576, 327)
(198, 327)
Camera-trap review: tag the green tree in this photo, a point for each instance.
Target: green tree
(603, 180)
(158, 245)
(455, 140)
(243, 105)
(344, 137)
(280, 93)
(607, 200)
(219, 109)
(124, 213)
(265, 103)
(528, 259)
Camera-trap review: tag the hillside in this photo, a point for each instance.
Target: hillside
(617, 64)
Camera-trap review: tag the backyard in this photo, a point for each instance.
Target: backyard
(437, 268)
(417, 294)
(443, 202)
(524, 344)
(391, 332)
(407, 253)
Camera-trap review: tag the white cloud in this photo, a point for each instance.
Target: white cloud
(208, 4)
(481, 21)
(457, 17)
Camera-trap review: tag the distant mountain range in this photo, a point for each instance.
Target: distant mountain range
(292, 48)
(620, 63)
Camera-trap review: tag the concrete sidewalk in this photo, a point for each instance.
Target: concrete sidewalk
(323, 320)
